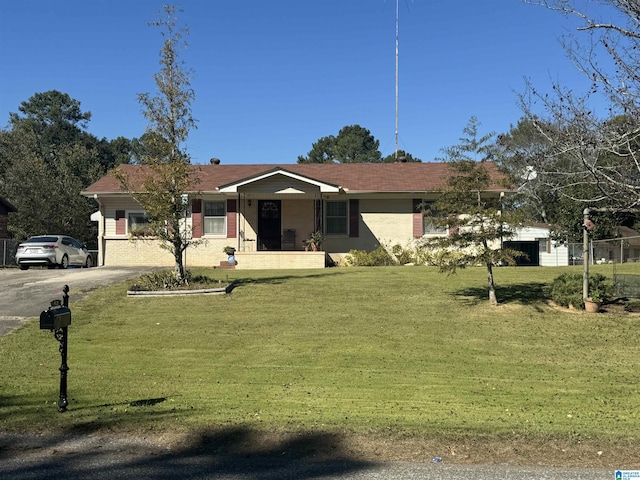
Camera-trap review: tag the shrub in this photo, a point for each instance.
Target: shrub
(166, 280)
(376, 258)
(163, 280)
(566, 289)
(403, 256)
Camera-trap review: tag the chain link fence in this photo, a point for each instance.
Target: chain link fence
(575, 253)
(616, 250)
(611, 250)
(8, 251)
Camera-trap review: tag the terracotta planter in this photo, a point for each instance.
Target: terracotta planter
(592, 307)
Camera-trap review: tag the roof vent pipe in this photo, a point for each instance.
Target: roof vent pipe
(214, 161)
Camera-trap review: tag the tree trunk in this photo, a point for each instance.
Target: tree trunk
(493, 300)
(179, 265)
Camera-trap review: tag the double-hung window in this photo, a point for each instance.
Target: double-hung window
(215, 218)
(139, 223)
(337, 218)
(429, 225)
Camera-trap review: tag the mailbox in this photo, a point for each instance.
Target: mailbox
(55, 318)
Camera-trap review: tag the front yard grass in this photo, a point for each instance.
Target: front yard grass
(397, 352)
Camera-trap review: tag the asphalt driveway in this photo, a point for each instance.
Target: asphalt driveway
(26, 293)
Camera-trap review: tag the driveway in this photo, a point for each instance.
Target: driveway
(26, 293)
(141, 458)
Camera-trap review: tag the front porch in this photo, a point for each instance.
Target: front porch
(265, 260)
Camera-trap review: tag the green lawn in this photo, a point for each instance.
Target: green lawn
(401, 351)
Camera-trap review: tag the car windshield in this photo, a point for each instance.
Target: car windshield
(42, 240)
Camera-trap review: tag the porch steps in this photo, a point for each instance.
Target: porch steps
(224, 265)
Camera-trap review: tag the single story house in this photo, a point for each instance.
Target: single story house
(268, 211)
(5, 209)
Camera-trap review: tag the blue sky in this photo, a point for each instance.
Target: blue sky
(272, 77)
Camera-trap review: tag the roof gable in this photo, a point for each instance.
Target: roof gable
(273, 175)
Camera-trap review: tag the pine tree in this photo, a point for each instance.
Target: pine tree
(470, 209)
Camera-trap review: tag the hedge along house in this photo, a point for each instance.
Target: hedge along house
(267, 212)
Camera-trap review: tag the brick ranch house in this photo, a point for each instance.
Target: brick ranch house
(268, 211)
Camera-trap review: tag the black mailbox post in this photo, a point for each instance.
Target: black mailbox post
(58, 318)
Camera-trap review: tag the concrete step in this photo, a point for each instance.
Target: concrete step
(224, 265)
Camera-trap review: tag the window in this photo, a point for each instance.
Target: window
(337, 218)
(428, 224)
(544, 245)
(139, 224)
(215, 218)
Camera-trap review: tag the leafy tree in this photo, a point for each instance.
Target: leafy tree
(517, 153)
(321, 152)
(55, 118)
(402, 157)
(354, 144)
(162, 193)
(111, 153)
(475, 221)
(46, 159)
(150, 145)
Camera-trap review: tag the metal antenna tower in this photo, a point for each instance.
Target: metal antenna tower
(397, 11)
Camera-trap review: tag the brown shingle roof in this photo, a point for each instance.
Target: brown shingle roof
(354, 177)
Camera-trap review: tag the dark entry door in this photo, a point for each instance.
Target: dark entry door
(269, 224)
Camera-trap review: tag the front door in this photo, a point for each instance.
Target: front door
(269, 224)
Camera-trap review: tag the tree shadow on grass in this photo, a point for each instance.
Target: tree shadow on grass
(522, 293)
(279, 279)
(229, 453)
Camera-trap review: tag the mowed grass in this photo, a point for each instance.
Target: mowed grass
(403, 351)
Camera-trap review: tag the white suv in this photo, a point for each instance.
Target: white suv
(52, 251)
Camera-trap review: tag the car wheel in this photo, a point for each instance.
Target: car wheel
(23, 267)
(65, 262)
(88, 263)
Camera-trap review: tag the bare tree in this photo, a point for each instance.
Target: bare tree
(591, 159)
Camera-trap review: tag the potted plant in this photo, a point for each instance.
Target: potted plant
(230, 252)
(593, 303)
(314, 242)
